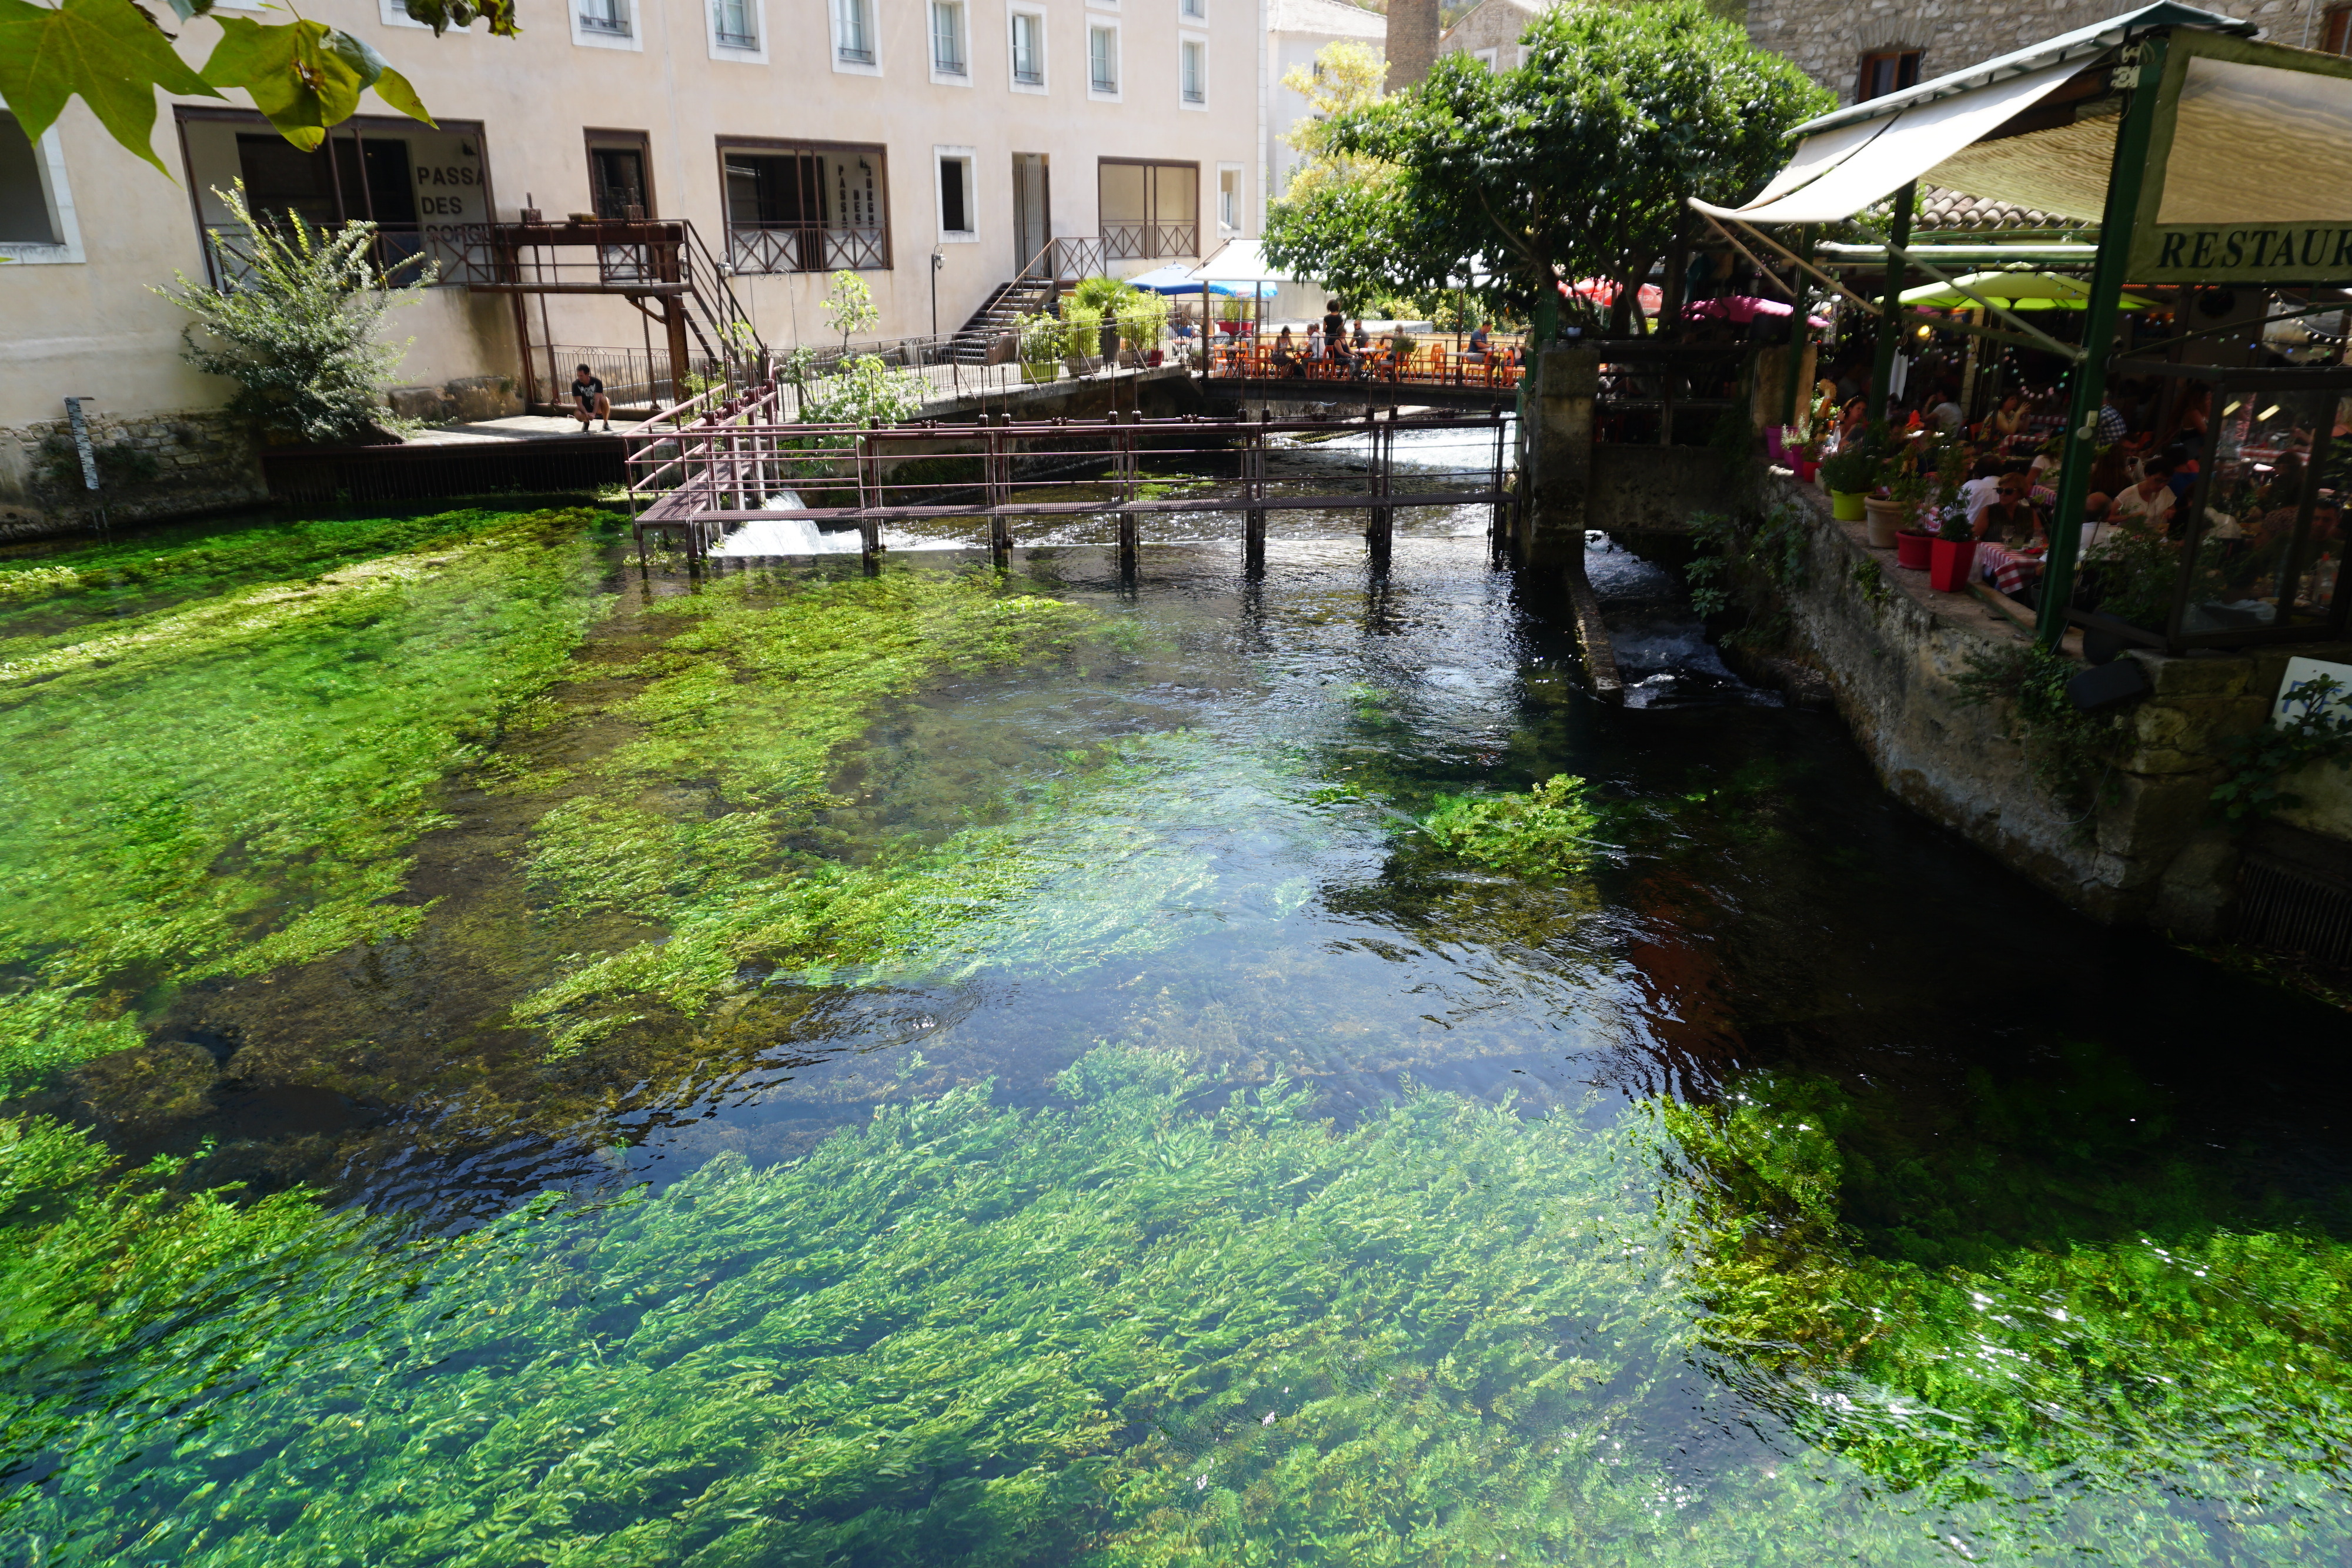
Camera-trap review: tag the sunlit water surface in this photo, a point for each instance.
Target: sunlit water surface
(1760, 925)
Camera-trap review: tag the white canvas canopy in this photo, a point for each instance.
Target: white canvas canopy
(1241, 261)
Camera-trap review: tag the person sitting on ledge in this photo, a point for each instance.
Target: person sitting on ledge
(588, 400)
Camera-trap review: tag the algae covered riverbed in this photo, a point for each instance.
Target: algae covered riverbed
(512, 1063)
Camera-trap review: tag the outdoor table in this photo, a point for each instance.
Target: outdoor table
(2007, 569)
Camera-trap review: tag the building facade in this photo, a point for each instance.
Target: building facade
(1864, 49)
(933, 147)
(1491, 33)
(1296, 31)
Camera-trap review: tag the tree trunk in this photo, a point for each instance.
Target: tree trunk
(1411, 42)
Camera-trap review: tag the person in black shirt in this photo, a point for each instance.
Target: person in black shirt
(588, 399)
(1335, 328)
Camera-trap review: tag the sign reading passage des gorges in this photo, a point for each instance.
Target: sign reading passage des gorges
(2250, 167)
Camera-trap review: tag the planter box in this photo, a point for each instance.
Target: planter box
(1886, 518)
(1033, 374)
(1947, 572)
(1911, 548)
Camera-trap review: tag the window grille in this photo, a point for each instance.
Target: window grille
(853, 44)
(609, 18)
(947, 38)
(1102, 59)
(736, 23)
(1028, 55)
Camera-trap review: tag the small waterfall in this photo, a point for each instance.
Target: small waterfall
(1661, 643)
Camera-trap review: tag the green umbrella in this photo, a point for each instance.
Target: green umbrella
(2013, 290)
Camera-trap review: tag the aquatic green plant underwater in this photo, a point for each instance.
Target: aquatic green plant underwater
(1165, 1318)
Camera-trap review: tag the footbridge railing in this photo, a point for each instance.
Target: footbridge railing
(712, 463)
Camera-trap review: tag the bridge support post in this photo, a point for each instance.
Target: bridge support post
(1558, 478)
(1381, 534)
(1254, 488)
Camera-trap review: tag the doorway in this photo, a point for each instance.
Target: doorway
(1032, 195)
(620, 175)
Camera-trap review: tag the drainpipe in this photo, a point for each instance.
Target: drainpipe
(1264, 120)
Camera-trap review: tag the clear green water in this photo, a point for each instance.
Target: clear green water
(513, 1064)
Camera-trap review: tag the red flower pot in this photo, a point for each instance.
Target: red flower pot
(1911, 548)
(1805, 471)
(1947, 572)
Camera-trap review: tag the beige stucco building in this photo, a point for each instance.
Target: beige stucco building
(915, 141)
(1296, 31)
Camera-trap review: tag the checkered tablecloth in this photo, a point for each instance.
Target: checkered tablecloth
(2004, 568)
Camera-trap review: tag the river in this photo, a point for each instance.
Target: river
(789, 1068)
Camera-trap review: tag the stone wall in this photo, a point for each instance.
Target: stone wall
(151, 466)
(2153, 853)
(1827, 38)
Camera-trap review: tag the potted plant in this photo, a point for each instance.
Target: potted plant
(1950, 555)
(1042, 338)
(1082, 329)
(1805, 451)
(1142, 320)
(1848, 474)
(1950, 467)
(1903, 486)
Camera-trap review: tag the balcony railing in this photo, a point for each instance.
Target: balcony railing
(854, 55)
(807, 247)
(728, 40)
(947, 64)
(1147, 241)
(1029, 74)
(409, 254)
(1103, 81)
(612, 26)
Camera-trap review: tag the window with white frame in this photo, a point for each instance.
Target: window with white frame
(37, 216)
(735, 24)
(1487, 58)
(1229, 197)
(1192, 68)
(1102, 59)
(853, 32)
(957, 221)
(607, 18)
(1028, 48)
(948, 53)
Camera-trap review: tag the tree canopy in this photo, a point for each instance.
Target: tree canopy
(305, 76)
(1578, 163)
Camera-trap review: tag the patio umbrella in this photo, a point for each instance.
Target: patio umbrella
(2011, 291)
(1743, 309)
(1600, 291)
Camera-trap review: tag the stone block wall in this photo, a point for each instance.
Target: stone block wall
(150, 466)
(2151, 854)
(1827, 38)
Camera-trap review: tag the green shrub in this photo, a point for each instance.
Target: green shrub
(298, 329)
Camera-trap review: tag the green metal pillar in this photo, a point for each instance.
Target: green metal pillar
(2123, 181)
(1796, 317)
(1890, 305)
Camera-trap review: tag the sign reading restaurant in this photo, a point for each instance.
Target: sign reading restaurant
(2248, 180)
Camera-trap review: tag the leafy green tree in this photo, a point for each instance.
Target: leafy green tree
(849, 307)
(305, 76)
(297, 329)
(1578, 163)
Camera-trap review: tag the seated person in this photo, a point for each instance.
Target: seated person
(2011, 518)
(1479, 339)
(2148, 504)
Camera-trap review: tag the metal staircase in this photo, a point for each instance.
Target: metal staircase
(1000, 313)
